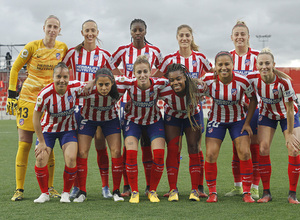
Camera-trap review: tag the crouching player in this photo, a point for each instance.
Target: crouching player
(57, 102)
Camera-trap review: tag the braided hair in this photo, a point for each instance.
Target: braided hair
(191, 91)
(137, 20)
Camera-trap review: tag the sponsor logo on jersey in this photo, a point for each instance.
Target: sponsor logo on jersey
(194, 74)
(21, 122)
(70, 98)
(58, 56)
(86, 68)
(24, 54)
(103, 108)
(64, 113)
(194, 63)
(96, 57)
(225, 102)
(233, 91)
(270, 101)
(275, 91)
(243, 72)
(247, 62)
(129, 67)
(144, 104)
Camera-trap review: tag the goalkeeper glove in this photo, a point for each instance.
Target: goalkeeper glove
(12, 103)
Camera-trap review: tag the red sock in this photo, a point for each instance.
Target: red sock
(235, 164)
(255, 162)
(82, 170)
(69, 178)
(147, 162)
(293, 171)
(265, 170)
(172, 162)
(247, 174)
(201, 157)
(42, 177)
(103, 164)
(157, 168)
(211, 171)
(194, 168)
(117, 170)
(132, 169)
(76, 183)
(125, 178)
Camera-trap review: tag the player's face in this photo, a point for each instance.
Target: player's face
(224, 67)
(265, 66)
(142, 74)
(138, 31)
(61, 80)
(184, 38)
(177, 81)
(89, 32)
(52, 28)
(103, 85)
(240, 37)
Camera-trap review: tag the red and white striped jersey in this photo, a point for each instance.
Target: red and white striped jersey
(273, 96)
(59, 110)
(246, 63)
(85, 64)
(99, 108)
(227, 99)
(127, 55)
(175, 105)
(195, 63)
(143, 110)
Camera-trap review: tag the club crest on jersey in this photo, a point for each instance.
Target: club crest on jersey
(147, 55)
(70, 98)
(247, 62)
(21, 122)
(194, 63)
(233, 91)
(275, 91)
(96, 57)
(58, 56)
(129, 67)
(151, 94)
(210, 130)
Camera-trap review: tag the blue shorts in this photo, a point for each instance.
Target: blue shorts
(263, 120)
(253, 122)
(89, 127)
(218, 129)
(77, 114)
(63, 137)
(155, 130)
(182, 123)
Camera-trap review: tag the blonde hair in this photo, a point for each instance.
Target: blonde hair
(240, 23)
(141, 59)
(81, 45)
(194, 46)
(280, 74)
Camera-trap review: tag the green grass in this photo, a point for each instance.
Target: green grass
(98, 208)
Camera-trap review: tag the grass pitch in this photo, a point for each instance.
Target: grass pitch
(96, 207)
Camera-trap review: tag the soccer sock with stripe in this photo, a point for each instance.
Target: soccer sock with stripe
(172, 162)
(293, 172)
(147, 162)
(21, 163)
(132, 169)
(194, 168)
(69, 178)
(211, 171)
(265, 171)
(103, 164)
(51, 168)
(246, 174)
(82, 170)
(117, 170)
(42, 176)
(255, 162)
(157, 168)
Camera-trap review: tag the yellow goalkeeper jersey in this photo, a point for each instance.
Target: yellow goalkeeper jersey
(40, 64)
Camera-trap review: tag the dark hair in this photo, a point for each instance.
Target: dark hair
(191, 90)
(222, 53)
(81, 45)
(61, 65)
(137, 20)
(104, 72)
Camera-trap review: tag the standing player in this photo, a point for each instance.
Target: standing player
(84, 60)
(195, 62)
(143, 115)
(41, 56)
(244, 59)
(57, 102)
(277, 105)
(182, 109)
(100, 109)
(227, 89)
(127, 55)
